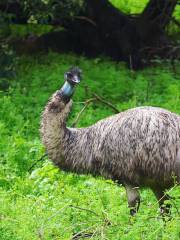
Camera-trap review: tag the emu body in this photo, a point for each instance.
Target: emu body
(137, 147)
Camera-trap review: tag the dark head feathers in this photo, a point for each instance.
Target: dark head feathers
(73, 76)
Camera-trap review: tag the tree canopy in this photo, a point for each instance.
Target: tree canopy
(94, 27)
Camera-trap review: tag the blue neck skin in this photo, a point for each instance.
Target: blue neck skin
(67, 90)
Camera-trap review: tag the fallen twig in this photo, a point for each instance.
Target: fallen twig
(86, 104)
(83, 234)
(82, 110)
(106, 102)
(85, 209)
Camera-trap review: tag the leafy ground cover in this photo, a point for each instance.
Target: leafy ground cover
(45, 203)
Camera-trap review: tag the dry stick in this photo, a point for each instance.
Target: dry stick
(80, 234)
(96, 98)
(105, 220)
(82, 110)
(83, 233)
(170, 199)
(106, 103)
(85, 209)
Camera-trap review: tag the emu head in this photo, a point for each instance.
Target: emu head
(73, 76)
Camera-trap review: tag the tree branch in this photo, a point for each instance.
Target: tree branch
(86, 19)
(106, 103)
(159, 11)
(85, 209)
(81, 112)
(96, 98)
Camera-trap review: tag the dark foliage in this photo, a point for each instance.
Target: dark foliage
(97, 27)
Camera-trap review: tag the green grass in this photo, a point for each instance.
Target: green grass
(46, 203)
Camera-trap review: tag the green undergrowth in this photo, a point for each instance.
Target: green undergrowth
(41, 202)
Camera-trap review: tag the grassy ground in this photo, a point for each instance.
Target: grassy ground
(45, 203)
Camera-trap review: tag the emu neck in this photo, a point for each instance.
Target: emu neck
(53, 126)
(65, 146)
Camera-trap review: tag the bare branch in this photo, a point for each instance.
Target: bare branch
(87, 210)
(106, 103)
(82, 110)
(96, 98)
(86, 19)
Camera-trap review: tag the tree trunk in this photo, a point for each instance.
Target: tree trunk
(159, 12)
(103, 29)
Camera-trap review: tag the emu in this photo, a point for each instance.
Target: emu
(139, 147)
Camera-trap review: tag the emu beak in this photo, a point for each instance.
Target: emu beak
(76, 79)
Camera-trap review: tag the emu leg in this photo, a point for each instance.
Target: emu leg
(133, 198)
(161, 197)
